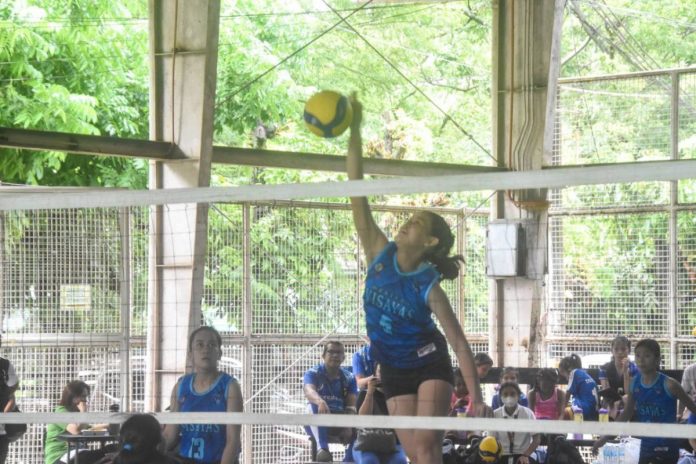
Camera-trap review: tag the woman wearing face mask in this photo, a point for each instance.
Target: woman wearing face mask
(517, 446)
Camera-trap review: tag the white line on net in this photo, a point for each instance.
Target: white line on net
(397, 422)
(18, 198)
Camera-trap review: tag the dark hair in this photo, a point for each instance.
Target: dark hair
(329, 343)
(509, 370)
(621, 340)
(140, 435)
(510, 385)
(650, 344)
(545, 374)
(446, 265)
(71, 391)
(218, 337)
(481, 359)
(570, 362)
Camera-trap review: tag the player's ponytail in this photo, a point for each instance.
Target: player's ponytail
(446, 265)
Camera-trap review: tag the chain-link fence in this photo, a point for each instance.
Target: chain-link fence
(65, 305)
(622, 255)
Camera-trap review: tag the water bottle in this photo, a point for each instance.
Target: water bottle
(609, 453)
(114, 428)
(578, 418)
(461, 434)
(603, 415)
(621, 453)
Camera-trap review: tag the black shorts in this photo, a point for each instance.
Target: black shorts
(397, 382)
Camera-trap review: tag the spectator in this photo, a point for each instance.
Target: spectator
(545, 399)
(75, 398)
(460, 394)
(330, 389)
(688, 383)
(459, 404)
(140, 441)
(207, 389)
(363, 367)
(581, 387)
(509, 374)
(615, 376)
(483, 364)
(516, 445)
(373, 401)
(652, 398)
(8, 385)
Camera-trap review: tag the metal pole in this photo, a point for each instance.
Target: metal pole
(673, 224)
(247, 321)
(125, 299)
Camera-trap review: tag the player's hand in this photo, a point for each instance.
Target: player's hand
(323, 408)
(373, 383)
(523, 460)
(461, 403)
(479, 410)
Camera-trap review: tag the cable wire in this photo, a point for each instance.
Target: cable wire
(418, 89)
(246, 85)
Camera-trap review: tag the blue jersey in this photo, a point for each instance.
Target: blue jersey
(362, 361)
(333, 391)
(655, 404)
(203, 442)
(584, 391)
(399, 321)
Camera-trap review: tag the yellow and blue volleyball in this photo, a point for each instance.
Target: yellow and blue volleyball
(490, 449)
(328, 113)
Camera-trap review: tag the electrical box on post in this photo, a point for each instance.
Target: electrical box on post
(505, 249)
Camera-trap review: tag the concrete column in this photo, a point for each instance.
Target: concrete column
(183, 68)
(524, 34)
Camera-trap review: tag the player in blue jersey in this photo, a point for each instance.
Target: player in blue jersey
(652, 398)
(205, 390)
(402, 291)
(363, 367)
(331, 389)
(581, 387)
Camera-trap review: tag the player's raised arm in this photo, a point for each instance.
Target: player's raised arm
(371, 236)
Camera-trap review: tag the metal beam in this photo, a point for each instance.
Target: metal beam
(335, 163)
(88, 144)
(164, 151)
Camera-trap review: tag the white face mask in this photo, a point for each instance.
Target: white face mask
(510, 401)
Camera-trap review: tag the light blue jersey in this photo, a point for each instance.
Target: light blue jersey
(655, 404)
(333, 391)
(399, 321)
(362, 362)
(584, 390)
(203, 442)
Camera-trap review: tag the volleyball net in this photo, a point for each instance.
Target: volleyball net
(281, 279)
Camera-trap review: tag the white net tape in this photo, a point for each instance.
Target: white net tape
(26, 199)
(395, 422)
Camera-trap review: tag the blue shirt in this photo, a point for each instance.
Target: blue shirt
(333, 391)
(203, 442)
(654, 404)
(399, 321)
(584, 391)
(362, 361)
